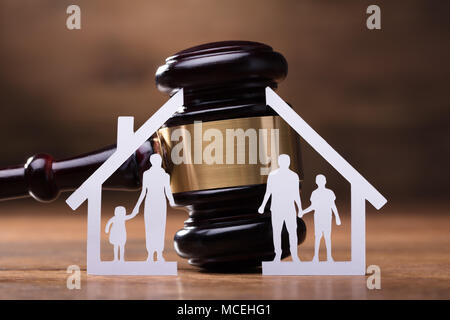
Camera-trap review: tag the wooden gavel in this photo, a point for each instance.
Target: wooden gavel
(223, 86)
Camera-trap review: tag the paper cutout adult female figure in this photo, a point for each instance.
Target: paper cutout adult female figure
(283, 186)
(118, 234)
(155, 187)
(322, 202)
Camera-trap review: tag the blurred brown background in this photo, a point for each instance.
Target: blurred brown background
(379, 97)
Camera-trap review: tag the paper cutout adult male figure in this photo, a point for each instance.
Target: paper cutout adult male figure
(283, 187)
(323, 204)
(155, 187)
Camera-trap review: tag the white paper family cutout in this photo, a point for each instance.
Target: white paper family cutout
(283, 188)
(361, 190)
(156, 187)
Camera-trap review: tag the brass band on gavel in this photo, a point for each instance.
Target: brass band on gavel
(242, 152)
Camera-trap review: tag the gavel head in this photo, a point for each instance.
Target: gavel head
(220, 148)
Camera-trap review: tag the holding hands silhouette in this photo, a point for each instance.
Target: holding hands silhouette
(300, 215)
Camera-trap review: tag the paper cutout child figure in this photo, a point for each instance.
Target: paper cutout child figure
(118, 234)
(323, 204)
(283, 186)
(155, 187)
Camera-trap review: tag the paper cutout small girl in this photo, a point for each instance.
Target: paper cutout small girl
(118, 234)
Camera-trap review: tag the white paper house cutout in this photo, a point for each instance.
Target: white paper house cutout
(128, 142)
(361, 190)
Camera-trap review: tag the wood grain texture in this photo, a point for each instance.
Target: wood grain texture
(37, 243)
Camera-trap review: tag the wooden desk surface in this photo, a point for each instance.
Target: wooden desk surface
(39, 241)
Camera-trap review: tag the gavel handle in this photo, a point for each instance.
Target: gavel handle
(44, 179)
